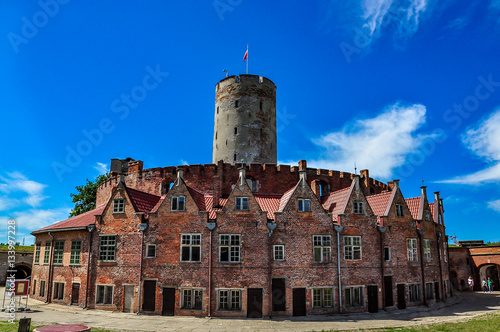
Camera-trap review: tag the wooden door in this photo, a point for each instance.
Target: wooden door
(254, 303)
(279, 294)
(168, 302)
(401, 296)
(388, 293)
(75, 294)
(128, 302)
(299, 301)
(436, 290)
(372, 298)
(149, 295)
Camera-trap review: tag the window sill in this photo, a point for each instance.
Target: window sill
(123, 212)
(150, 257)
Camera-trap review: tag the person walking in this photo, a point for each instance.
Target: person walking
(490, 284)
(485, 285)
(470, 282)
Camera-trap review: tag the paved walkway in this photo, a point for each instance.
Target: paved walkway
(460, 307)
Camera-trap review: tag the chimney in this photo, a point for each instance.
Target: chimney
(302, 165)
(303, 177)
(356, 182)
(180, 174)
(394, 184)
(242, 175)
(366, 175)
(424, 191)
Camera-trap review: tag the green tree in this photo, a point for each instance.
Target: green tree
(85, 198)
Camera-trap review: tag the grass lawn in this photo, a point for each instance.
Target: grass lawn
(18, 248)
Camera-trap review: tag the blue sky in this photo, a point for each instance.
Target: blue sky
(408, 89)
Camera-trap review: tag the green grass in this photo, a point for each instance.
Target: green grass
(483, 323)
(5, 326)
(18, 248)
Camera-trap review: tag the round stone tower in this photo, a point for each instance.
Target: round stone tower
(245, 120)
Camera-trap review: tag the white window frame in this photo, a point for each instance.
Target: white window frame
(411, 247)
(323, 243)
(229, 244)
(400, 211)
(107, 249)
(46, 253)
(350, 301)
(357, 207)
(60, 293)
(76, 252)
(279, 252)
(241, 203)
(192, 295)
(105, 296)
(352, 245)
(178, 203)
(322, 297)
(190, 241)
(230, 296)
(304, 205)
(427, 250)
(118, 205)
(150, 245)
(414, 293)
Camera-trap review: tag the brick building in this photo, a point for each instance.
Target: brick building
(245, 238)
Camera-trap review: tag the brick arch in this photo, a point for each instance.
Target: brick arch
(490, 270)
(23, 270)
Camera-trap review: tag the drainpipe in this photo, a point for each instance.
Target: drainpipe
(448, 263)
(381, 229)
(420, 232)
(439, 261)
(338, 229)
(51, 270)
(210, 226)
(272, 226)
(142, 227)
(90, 228)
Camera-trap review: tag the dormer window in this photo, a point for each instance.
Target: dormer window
(178, 203)
(358, 207)
(119, 205)
(241, 203)
(304, 205)
(400, 212)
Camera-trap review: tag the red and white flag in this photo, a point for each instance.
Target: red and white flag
(245, 56)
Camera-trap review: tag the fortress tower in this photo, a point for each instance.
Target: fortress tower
(245, 120)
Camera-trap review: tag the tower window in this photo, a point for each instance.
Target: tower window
(217, 109)
(215, 135)
(236, 130)
(235, 157)
(226, 142)
(261, 105)
(236, 103)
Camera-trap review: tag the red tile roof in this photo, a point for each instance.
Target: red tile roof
(79, 222)
(414, 206)
(431, 207)
(198, 197)
(286, 197)
(379, 202)
(209, 202)
(155, 208)
(269, 203)
(335, 201)
(142, 202)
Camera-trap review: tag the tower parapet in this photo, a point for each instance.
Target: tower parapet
(245, 120)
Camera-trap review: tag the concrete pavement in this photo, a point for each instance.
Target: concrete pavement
(460, 307)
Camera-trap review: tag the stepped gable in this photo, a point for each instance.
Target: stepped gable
(80, 221)
(141, 201)
(413, 204)
(379, 203)
(335, 201)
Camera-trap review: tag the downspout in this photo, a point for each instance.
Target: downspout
(420, 232)
(448, 263)
(142, 227)
(210, 226)
(271, 225)
(338, 229)
(51, 270)
(439, 261)
(90, 229)
(382, 230)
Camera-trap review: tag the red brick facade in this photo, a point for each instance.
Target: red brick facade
(255, 241)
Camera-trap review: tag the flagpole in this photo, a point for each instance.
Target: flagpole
(247, 59)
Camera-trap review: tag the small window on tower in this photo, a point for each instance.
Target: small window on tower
(235, 157)
(236, 103)
(217, 109)
(236, 130)
(261, 105)
(215, 135)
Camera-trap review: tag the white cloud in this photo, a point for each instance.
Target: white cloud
(379, 144)
(15, 182)
(457, 23)
(34, 219)
(102, 168)
(495, 205)
(484, 141)
(406, 15)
